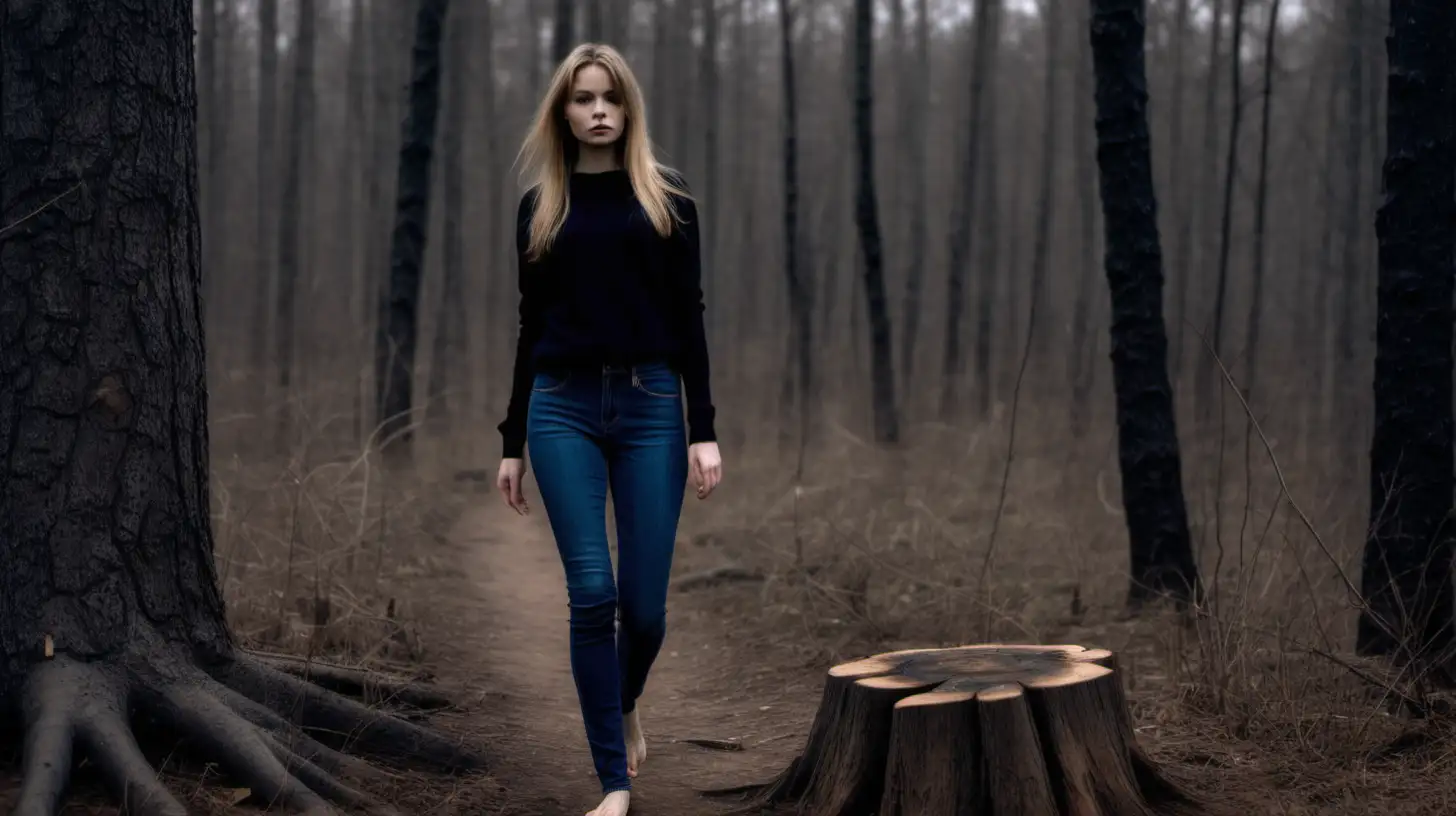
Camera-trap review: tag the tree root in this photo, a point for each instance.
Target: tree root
(368, 686)
(247, 717)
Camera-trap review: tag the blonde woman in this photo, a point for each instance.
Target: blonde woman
(611, 346)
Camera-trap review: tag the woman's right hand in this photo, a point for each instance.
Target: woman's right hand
(508, 482)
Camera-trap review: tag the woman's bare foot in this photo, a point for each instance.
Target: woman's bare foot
(615, 804)
(636, 742)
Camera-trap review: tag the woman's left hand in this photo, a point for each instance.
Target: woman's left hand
(706, 467)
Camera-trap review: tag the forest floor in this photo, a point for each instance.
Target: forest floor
(475, 600)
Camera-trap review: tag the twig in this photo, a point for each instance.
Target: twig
(42, 208)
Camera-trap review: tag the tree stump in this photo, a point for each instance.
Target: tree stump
(993, 730)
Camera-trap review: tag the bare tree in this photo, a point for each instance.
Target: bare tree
(450, 337)
(1152, 486)
(1406, 573)
(396, 359)
(299, 139)
(887, 422)
(112, 597)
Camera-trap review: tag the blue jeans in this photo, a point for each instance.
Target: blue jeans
(588, 430)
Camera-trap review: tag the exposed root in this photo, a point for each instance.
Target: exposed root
(333, 717)
(244, 717)
(367, 686)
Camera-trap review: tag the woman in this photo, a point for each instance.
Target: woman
(611, 345)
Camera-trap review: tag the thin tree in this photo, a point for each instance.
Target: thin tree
(450, 336)
(564, 35)
(412, 204)
(1261, 205)
(801, 327)
(886, 419)
(962, 225)
(113, 609)
(292, 225)
(1406, 578)
(915, 116)
(266, 238)
(1152, 486)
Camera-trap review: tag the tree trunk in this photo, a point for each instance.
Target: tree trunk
(300, 136)
(1261, 206)
(267, 221)
(887, 423)
(450, 338)
(112, 606)
(962, 225)
(1152, 485)
(800, 306)
(1406, 577)
(916, 89)
(564, 36)
(997, 730)
(407, 244)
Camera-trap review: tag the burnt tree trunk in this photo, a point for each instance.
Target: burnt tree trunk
(1002, 730)
(407, 246)
(882, 375)
(1152, 485)
(1406, 578)
(109, 601)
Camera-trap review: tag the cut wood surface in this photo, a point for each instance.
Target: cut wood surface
(1003, 730)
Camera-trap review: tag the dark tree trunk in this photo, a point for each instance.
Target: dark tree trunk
(412, 205)
(916, 89)
(1261, 206)
(708, 80)
(962, 225)
(300, 136)
(267, 222)
(1152, 485)
(450, 338)
(1082, 351)
(887, 423)
(111, 606)
(800, 306)
(1406, 577)
(564, 35)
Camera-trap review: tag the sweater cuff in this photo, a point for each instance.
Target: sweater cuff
(700, 429)
(513, 447)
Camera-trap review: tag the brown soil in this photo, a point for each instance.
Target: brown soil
(511, 654)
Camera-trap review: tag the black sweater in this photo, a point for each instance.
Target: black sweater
(610, 290)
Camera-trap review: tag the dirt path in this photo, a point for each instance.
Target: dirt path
(701, 685)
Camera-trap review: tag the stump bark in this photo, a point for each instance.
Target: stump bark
(990, 730)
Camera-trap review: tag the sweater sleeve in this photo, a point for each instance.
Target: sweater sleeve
(513, 428)
(693, 364)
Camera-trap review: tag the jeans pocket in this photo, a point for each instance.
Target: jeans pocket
(656, 381)
(547, 382)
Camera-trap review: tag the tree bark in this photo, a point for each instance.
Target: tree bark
(300, 137)
(109, 602)
(1152, 486)
(915, 87)
(886, 413)
(800, 307)
(962, 225)
(999, 730)
(1406, 578)
(267, 222)
(450, 337)
(412, 205)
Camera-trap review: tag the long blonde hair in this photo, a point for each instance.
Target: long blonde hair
(550, 149)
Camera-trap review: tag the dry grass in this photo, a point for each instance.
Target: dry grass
(1258, 700)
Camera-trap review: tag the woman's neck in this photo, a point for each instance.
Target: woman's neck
(596, 159)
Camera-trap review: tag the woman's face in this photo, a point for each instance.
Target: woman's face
(594, 108)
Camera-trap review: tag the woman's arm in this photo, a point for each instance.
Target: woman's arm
(693, 364)
(513, 428)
